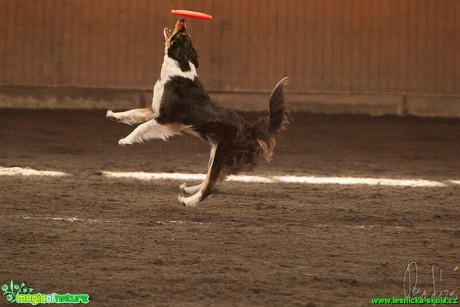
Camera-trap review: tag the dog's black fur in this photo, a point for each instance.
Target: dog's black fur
(238, 144)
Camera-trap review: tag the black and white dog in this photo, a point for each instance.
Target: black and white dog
(180, 103)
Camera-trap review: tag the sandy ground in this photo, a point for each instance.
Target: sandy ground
(127, 242)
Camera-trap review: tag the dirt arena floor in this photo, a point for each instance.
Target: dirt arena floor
(128, 242)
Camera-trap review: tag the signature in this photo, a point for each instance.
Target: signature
(412, 288)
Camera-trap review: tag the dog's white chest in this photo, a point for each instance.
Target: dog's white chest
(158, 90)
(169, 69)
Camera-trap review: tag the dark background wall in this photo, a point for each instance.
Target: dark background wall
(353, 51)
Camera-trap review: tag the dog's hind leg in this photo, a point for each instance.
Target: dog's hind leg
(214, 170)
(184, 189)
(151, 130)
(131, 117)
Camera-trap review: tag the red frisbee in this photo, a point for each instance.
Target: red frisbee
(192, 14)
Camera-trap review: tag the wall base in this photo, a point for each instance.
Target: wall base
(361, 103)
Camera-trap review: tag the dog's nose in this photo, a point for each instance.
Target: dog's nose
(180, 25)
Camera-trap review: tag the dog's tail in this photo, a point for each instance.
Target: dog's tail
(278, 117)
(268, 127)
(258, 139)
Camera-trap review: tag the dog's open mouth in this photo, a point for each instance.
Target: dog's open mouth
(179, 27)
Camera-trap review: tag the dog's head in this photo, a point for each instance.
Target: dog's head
(179, 46)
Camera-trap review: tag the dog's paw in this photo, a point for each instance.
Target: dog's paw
(182, 190)
(191, 201)
(167, 33)
(110, 115)
(123, 142)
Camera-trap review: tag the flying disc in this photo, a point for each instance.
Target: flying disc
(192, 14)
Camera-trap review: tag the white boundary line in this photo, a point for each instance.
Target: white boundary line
(68, 219)
(82, 220)
(18, 171)
(283, 179)
(154, 176)
(362, 181)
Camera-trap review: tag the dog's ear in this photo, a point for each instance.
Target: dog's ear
(192, 54)
(194, 57)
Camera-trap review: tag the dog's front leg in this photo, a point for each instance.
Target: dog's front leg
(151, 130)
(131, 117)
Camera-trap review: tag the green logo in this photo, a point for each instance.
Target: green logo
(21, 294)
(12, 290)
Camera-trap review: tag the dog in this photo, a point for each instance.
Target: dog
(181, 104)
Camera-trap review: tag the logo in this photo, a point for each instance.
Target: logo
(22, 294)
